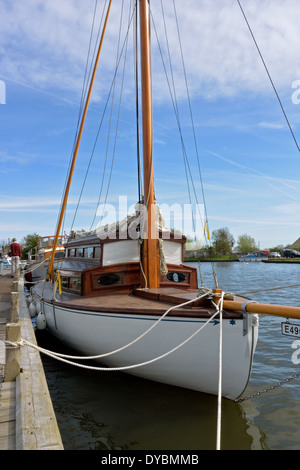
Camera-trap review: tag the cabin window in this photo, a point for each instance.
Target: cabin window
(79, 252)
(75, 283)
(97, 252)
(44, 241)
(89, 252)
(71, 252)
(59, 254)
(64, 282)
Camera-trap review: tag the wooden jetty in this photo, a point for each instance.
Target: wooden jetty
(27, 418)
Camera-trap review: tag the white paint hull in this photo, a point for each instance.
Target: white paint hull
(194, 366)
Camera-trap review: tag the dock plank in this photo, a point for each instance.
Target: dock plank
(7, 389)
(27, 419)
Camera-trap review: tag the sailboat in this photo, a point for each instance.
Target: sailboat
(130, 303)
(38, 257)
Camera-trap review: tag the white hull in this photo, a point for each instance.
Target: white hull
(194, 366)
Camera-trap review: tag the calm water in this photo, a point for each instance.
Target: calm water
(97, 411)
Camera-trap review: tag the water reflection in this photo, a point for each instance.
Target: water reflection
(99, 411)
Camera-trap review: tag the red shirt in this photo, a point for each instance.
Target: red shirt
(15, 249)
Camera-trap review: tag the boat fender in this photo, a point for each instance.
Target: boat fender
(29, 299)
(38, 306)
(32, 310)
(41, 322)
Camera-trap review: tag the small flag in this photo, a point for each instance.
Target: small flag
(206, 230)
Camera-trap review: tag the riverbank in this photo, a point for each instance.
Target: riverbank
(217, 260)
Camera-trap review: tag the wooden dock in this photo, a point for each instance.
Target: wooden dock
(27, 418)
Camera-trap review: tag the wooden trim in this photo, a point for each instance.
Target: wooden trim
(107, 305)
(129, 278)
(142, 302)
(82, 241)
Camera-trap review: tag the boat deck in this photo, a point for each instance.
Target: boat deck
(147, 301)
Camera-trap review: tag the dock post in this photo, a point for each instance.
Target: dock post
(14, 307)
(12, 366)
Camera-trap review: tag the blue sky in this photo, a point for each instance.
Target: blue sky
(249, 161)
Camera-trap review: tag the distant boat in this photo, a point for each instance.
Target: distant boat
(6, 263)
(254, 256)
(39, 257)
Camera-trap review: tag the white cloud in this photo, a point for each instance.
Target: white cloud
(43, 46)
(271, 125)
(23, 204)
(44, 43)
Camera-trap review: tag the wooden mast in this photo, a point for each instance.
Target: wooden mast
(150, 258)
(66, 194)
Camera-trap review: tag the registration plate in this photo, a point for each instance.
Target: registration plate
(290, 329)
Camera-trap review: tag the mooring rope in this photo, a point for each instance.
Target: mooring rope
(34, 267)
(204, 292)
(65, 358)
(59, 355)
(86, 358)
(24, 342)
(219, 416)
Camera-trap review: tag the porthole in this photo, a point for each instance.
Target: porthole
(176, 277)
(108, 279)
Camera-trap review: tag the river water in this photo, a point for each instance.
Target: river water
(114, 411)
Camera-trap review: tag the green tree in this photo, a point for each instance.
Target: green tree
(222, 240)
(245, 244)
(5, 246)
(28, 243)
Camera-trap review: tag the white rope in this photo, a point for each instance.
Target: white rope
(220, 374)
(51, 354)
(35, 267)
(219, 310)
(85, 358)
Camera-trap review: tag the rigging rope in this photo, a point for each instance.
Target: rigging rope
(83, 93)
(108, 98)
(268, 73)
(265, 290)
(110, 119)
(136, 76)
(175, 106)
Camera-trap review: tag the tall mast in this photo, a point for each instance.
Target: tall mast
(67, 190)
(150, 259)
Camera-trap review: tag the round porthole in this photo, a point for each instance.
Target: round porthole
(176, 277)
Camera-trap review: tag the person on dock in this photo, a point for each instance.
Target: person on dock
(15, 250)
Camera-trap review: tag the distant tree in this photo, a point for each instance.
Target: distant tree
(222, 240)
(193, 243)
(277, 248)
(245, 243)
(28, 243)
(5, 246)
